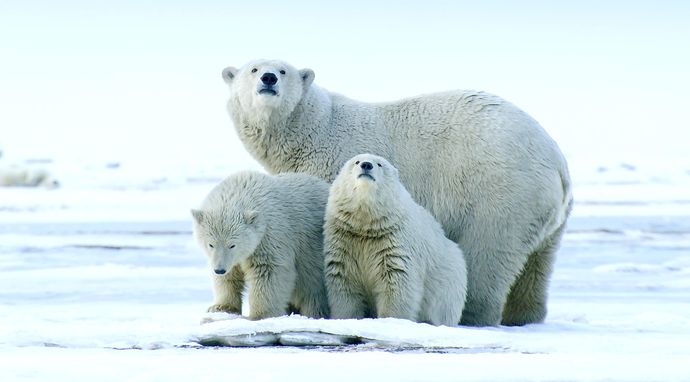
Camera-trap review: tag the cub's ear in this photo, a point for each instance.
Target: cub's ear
(229, 74)
(307, 77)
(198, 216)
(250, 216)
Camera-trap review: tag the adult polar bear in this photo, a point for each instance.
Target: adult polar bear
(488, 172)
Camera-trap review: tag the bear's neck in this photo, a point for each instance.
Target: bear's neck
(290, 141)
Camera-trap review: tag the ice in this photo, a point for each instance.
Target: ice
(107, 273)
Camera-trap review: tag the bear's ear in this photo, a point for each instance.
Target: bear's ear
(198, 216)
(250, 216)
(395, 173)
(307, 76)
(229, 74)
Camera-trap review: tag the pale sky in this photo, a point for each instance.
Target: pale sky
(120, 79)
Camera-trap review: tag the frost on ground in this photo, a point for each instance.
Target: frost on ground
(103, 281)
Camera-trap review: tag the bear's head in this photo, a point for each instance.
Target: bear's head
(266, 87)
(368, 179)
(227, 236)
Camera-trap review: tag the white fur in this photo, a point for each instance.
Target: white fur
(488, 172)
(266, 230)
(386, 256)
(18, 176)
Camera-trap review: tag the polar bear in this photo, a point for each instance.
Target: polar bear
(487, 171)
(268, 231)
(386, 256)
(18, 176)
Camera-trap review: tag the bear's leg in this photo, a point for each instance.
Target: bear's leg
(398, 302)
(527, 299)
(270, 289)
(400, 295)
(314, 301)
(345, 295)
(444, 299)
(310, 290)
(489, 277)
(227, 292)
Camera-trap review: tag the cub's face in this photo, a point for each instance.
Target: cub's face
(267, 85)
(227, 238)
(365, 175)
(370, 169)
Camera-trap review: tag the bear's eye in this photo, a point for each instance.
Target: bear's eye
(357, 162)
(254, 70)
(379, 164)
(282, 72)
(232, 246)
(210, 245)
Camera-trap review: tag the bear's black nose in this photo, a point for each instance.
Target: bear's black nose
(219, 271)
(269, 79)
(366, 166)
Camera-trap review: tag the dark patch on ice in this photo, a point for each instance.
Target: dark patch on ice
(358, 345)
(291, 339)
(242, 340)
(54, 345)
(624, 166)
(599, 230)
(628, 166)
(322, 341)
(317, 339)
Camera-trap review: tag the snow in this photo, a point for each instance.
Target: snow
(101, 279)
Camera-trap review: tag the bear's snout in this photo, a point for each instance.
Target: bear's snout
(219, 271)
(269, 79)
(366, 166)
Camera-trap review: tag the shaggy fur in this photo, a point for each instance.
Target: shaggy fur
(268, 231)
(386, 256)
(489, 173)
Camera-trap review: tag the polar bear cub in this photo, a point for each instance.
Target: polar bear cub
(386, 256)
(266, 231)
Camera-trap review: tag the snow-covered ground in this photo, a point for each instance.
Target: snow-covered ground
(101, 280)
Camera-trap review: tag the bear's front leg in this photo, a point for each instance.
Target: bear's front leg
(345, 294)
(401, 290)
(270, 289)
(227, 290)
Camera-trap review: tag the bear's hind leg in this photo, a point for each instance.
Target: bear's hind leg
(489, 278)
(526, 302)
